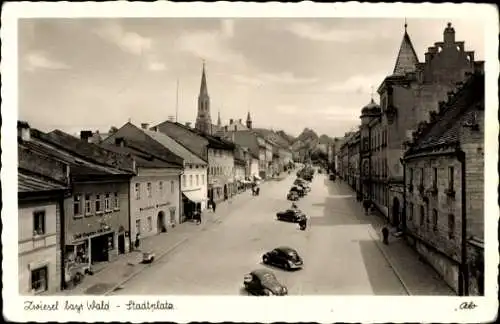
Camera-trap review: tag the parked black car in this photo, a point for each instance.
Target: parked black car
(293, 196)
(263, 282)
(299, 190)
(283, 257)
(332, 176)
(291, 215)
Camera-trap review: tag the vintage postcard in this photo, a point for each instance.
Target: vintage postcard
(249, 162)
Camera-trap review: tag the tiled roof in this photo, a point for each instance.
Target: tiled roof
(174, 146)
(141, 159)
(407, 57)
(272, 137)
(33, 183)
(445, 130)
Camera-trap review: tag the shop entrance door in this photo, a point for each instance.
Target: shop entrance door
(99, 249)
(121, 243)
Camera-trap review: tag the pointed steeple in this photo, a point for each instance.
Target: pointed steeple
(249, 121)
(219, 123)
(203, 86)
(407, 57)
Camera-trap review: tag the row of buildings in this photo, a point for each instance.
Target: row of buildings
(84, 200)
(419, 157)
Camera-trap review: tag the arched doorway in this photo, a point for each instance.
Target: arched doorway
(161, 222)
(396, 219)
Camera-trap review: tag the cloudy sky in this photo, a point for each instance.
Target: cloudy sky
(290, 73)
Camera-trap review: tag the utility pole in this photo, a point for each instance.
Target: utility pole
(177, 102)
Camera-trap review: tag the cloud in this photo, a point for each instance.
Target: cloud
(40, 60)
(157, 66)
(359, 83)
(316, 32)
(227, 28)
(130, 42)
(285, 78)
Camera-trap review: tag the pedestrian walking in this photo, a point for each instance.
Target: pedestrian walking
(137, 241)
(385, 235)
(213, 205)
(366, 205)
(372, 208)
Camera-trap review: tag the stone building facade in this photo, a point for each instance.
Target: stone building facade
(410, 93)
(444, 177)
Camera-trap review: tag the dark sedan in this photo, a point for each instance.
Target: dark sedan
(291, 215)
(263, 282)
(283, 257)
(299, 190)
(293, 196)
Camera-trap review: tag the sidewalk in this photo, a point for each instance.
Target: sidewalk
(418, 278)
(127, 266)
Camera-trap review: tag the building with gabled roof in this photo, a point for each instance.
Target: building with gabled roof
(444, 186)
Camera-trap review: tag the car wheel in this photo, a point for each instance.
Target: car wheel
(287, 266)
(265, 260)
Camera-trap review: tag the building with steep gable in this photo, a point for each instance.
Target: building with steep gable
(444, 188)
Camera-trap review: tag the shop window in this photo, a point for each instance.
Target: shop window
(172, 186)
(137, 191)
(98, 203)
(77, 205)
(39, 281)
(88, 205)
(149, 190)
(451, 226)
(107, 202)
(117, 201)
(39, 222)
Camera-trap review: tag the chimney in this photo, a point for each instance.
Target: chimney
(231, 121)
(85, 135)
(188, 124)
(144, 125)
(23, 130)
(120, 141)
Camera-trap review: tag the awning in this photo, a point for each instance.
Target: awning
(195, 195)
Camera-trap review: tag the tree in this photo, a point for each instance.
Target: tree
(112, 130)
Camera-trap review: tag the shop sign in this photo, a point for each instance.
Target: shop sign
(146, 208)
(164, 204)
(87, 234)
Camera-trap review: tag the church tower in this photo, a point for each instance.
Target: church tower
(203, 119)
(219, 122)
(249, 121)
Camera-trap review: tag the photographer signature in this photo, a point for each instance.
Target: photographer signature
(468, 305)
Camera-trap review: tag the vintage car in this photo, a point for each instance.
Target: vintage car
(299, 190)
(283, 257)
(291, 215)
(263, 282)
(293, 196)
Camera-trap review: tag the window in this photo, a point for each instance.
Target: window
(88, 205)
(451, 174)
(117, 201)
(422, 215)
(160, 187)
(77, 205)
(138, 226)
(202, 179)
(411, 176)
(150, 224)
(39, 281)
(422, 175)
(451, 226)
(427, 214)
(172, 186)
(137, 191)
(434, 219)
(184, 180)
(98, 203)
(434, 177)
(190, 180)
(39, 222)
(149, 189)
(410, 211)
(107, 202)
(197, 180)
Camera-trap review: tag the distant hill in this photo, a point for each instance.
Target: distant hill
(289, 138)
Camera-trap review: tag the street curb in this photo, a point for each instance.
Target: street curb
(388, 259)
(134, 274)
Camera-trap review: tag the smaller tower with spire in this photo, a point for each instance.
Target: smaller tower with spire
(203, 119)
(407, 56)
(219, 123)
(249, 121)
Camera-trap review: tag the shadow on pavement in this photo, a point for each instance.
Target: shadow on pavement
(99, 289)
(340, 212)
(380, 274)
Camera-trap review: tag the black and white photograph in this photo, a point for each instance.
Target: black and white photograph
(182, 162)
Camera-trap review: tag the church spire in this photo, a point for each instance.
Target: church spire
(219, 123)
(203, 86)
(249, 120)
(407, 57)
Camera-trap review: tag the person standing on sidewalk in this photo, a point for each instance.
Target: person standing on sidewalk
(214, 205)
(385, 235)
(137, 241)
